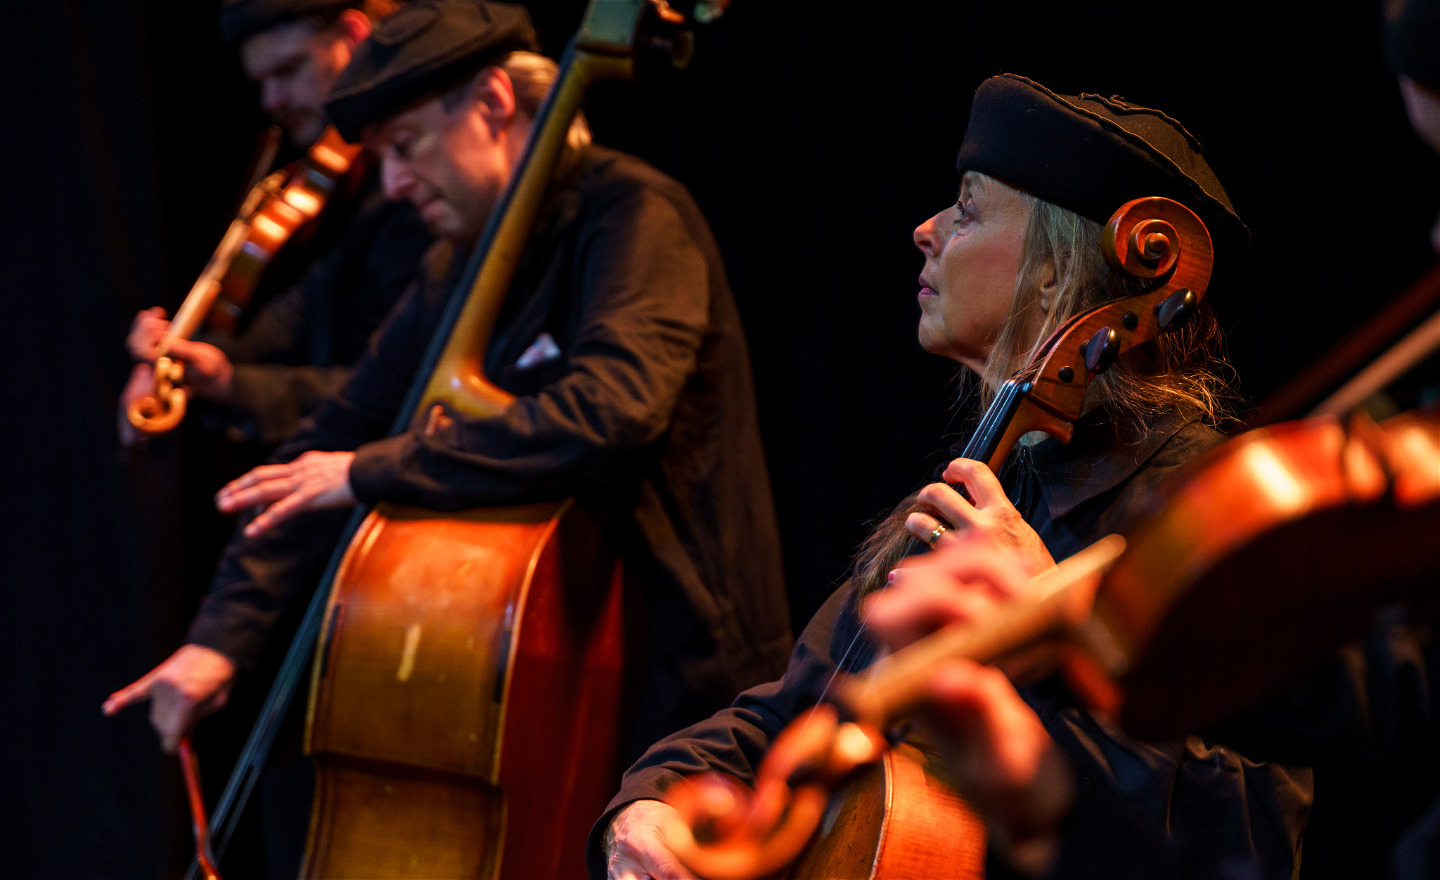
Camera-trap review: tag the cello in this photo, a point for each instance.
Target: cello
(1175, 610)
(446, 641)
(1154, 239)
(275, 211)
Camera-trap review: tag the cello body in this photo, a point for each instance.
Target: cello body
(895, 819)
(458, 650)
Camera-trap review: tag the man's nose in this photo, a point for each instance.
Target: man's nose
(395, 178)
(272, 97)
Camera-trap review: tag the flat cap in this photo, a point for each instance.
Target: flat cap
(1412, 40)
(421, 49)
(1091, 154)
(242, 19)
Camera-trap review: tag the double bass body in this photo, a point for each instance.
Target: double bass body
(498, 615)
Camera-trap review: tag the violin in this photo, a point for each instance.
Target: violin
(1334, 517)
(277, 208)
(1149, 238)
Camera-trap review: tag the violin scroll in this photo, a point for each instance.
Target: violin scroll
(276, 208)
(727, 832)
(162, 409)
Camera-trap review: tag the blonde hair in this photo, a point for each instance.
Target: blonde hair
(531, 76)
(1181, 370)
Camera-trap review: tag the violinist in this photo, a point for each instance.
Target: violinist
(1411, 27)
(619, 339)
(1368, 716)
(308, 323)
(1015, 255)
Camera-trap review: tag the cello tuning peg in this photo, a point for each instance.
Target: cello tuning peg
(1176, 309)
(1101, 350)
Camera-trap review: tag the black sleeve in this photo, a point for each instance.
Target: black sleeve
(735, 740)
(259, 579)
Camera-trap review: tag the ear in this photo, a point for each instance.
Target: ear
(1049, 288)
(354, 27)
(494, 97)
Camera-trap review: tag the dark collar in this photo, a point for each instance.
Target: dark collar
(1097, 459)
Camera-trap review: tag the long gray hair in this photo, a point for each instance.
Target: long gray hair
(1182, 370)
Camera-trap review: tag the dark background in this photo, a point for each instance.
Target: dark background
(815, 136)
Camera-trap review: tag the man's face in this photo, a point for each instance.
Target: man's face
(450, 164)
(295, 64)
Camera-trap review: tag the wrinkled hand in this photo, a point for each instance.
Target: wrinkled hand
(314, 481)
(190, 684)
(145, 333)
(989, 511)
(208, 371)
(998, 754)
(635, 845)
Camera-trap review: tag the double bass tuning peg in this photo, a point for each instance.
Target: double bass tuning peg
(678, 47)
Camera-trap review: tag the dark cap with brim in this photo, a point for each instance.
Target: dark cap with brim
(422, 49)
(1091, 155)
(242, 19)
(1412, 40)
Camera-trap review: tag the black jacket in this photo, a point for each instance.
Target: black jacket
(1071, 495)
(643, 410)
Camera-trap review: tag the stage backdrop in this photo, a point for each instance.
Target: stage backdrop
(814, 135)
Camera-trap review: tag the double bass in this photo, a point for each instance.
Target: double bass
(446, 642)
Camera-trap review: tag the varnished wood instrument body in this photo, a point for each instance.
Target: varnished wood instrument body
(893, 819)
(473, 663)
(1270, 552)
(466, 715)
(1256, 561)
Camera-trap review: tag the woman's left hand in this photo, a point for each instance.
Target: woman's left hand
(988, 511)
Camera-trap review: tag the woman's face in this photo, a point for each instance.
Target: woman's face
(972, 260)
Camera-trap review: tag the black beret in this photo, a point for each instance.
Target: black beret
(242, 19)
(423, 48)
(1091, 154)
(1412, 40)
